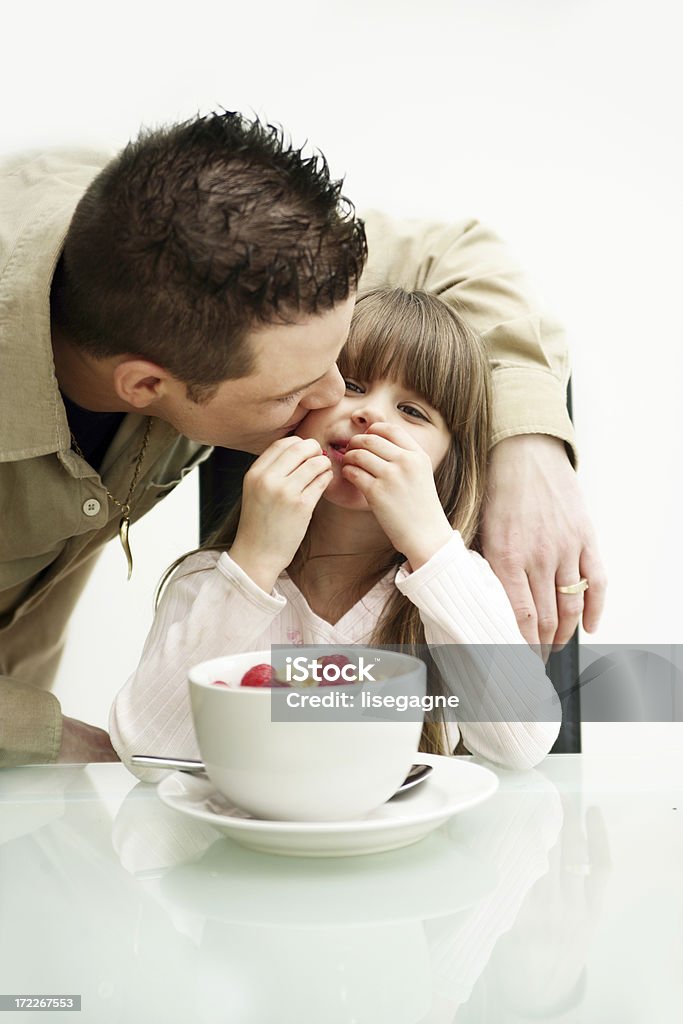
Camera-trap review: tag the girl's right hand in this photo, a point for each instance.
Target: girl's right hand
(280, 491)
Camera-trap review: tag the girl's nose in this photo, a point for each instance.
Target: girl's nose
(367, 414)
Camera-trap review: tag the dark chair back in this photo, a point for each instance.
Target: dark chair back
(563, 670)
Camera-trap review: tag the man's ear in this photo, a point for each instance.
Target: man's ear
(140, 383)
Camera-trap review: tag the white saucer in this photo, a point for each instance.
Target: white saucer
(454, 786)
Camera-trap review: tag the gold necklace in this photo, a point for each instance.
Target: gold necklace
(124, 525)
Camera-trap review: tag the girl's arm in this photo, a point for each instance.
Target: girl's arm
(210, 608)
(227, 608)
(509, 711)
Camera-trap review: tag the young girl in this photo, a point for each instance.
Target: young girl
(356, 531)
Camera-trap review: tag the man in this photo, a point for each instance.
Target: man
(195, 291)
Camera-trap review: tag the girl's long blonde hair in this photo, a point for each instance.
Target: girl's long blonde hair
(416, 338)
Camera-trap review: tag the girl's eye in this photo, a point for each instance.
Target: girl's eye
(353, 386)
(412, 410)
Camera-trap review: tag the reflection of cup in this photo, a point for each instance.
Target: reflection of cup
(333, 940)
(339, 765)
(238, 886)
(274, 938)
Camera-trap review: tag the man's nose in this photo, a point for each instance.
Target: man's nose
(327, 391)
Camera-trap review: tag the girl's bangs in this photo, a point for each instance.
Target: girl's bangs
(403, 342)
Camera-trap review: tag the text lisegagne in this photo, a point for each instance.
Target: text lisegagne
(393, 702)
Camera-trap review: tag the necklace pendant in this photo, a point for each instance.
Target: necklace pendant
(123, 537)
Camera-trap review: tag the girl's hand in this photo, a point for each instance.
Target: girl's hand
(396, 477)
(280, 491)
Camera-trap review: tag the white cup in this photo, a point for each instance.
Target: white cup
(320, 770)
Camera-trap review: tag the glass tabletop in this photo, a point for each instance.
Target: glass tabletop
(557, 899)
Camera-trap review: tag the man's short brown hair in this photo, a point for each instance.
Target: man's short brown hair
(197, 232)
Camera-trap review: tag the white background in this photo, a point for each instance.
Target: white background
(556, 121)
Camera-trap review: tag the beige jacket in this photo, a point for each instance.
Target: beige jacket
(49, 543)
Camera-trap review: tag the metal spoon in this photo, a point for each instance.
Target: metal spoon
(417, 774)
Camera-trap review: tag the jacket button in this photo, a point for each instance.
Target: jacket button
(91, 507)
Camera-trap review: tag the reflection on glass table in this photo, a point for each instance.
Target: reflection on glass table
(538, 904)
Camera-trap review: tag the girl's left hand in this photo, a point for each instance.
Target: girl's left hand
(396, 478)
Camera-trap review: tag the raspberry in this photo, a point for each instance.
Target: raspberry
(332, 659)
(219, 682)
(259, 675)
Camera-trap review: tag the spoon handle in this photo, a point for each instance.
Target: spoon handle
(174, 763)
(417, 773)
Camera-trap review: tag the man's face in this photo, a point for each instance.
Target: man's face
(294, 371)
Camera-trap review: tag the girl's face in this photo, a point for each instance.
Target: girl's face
(365, 403)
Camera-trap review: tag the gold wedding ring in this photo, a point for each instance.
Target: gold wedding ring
(574, 588)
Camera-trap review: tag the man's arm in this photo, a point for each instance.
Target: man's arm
(30, 724)
(536, 534)
(33, 730)
(467, 265)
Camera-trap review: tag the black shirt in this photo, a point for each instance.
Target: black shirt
(94, 431)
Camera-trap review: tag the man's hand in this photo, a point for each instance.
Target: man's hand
(83, 743)
(536, 535)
